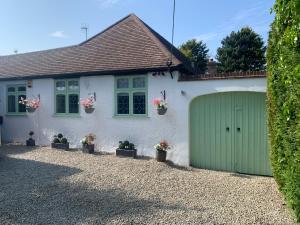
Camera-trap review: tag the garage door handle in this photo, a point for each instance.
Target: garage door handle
(238, 129)
(227, 128)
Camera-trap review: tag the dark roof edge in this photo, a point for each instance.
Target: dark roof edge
(95, 73)
(222, 76)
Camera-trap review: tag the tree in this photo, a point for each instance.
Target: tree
(196, 51)
(283, 65)
(241, 51)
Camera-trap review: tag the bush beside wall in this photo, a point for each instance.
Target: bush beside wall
(283, 65)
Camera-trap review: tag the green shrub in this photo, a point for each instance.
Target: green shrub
(56, 140)
(64, 141)
(283, 65)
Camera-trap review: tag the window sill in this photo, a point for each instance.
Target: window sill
(16, 114)
(67, 115)
(131, 116)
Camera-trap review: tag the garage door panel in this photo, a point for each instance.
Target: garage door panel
(228, 132)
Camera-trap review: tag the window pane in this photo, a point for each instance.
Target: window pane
(123, 103)
(73, 85)
(11, 89)
(11, 103)
(23, 88)
(122, 83)
(60, 104)
(21, 107)
(73, 103)
(139, 103)
(139, 82)
(60, 85)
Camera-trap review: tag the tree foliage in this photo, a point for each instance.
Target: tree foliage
(196, 51)
(283, 64)
(241, 51)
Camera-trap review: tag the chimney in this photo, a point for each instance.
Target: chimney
(211, 66)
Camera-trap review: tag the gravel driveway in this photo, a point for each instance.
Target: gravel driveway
(46, 186)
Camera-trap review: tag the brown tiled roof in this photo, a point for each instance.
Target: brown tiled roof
(217, 76)
(126, 46)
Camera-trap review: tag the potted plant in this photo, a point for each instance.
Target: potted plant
(30, 141)
(88, 143)
(161, 151)
(31, 104)
(126, 149)
(161, 106)
(60, 142)
(88, 104)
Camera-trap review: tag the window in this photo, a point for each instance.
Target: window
(67, 97)
(131, 96)
(14, 95)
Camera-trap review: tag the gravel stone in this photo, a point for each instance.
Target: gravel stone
(48, 186)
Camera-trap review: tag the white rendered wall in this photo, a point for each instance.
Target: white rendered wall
(143, 132)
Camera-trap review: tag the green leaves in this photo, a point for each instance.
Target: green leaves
(196, 51)
(283, 60)
(241, 51)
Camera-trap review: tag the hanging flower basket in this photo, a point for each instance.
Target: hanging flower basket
(31, 104)
(30, 109)
(89, 110)
(161, 106)
(88, 104)
(161, 111)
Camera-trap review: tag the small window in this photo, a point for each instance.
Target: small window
(67, 97)
(139, 82)
(131, 96)
(60, 104)
(123, 83)
(11, 89)
(14, 95)
(73, 85)
(139, 103)
(60, 86)
(21, 89)
(123, 103)
(11, 104)
(73, 103)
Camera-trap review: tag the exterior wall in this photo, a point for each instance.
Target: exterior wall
(143, 132)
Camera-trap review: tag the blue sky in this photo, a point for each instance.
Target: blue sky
(33, 25)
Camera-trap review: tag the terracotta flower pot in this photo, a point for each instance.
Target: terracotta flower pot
(89, 110)
(161, 155)
(30, 109)
(161, 111)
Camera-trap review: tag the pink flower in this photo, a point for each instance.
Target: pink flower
(87, 102)
(30, 103)
(156, 101)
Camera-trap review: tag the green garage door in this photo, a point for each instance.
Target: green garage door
(228, 132)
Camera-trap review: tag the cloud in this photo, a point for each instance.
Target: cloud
(107, 3)
(59, 34)
(208, 36)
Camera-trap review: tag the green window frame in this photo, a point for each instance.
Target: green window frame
(131, 96)
(13, 96)
(67, 97)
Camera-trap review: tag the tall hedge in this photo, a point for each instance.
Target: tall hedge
(283, 65)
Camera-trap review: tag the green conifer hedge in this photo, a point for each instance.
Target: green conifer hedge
(283, 65)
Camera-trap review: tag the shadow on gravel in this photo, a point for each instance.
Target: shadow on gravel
(240, 175)
(33, 192)
(15, 149)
